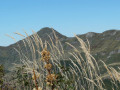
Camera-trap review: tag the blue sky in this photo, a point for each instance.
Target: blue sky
(66, 16)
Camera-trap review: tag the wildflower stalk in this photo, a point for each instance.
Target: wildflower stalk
(50, 77)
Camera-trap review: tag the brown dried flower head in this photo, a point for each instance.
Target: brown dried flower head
(45, 55)
(48, 66)
(39, 88)
(51, 78)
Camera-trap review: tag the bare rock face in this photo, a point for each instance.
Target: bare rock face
(90, 34)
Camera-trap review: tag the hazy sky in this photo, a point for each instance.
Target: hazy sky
(66, 16)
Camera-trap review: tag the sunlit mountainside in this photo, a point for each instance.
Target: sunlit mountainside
(104, 46)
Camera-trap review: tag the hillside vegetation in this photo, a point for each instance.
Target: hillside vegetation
(48, 60)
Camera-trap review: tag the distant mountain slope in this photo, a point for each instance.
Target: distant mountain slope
(104, 46)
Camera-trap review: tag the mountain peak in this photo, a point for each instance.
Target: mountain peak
(44, 32)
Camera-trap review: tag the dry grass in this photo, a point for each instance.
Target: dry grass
(84, 69)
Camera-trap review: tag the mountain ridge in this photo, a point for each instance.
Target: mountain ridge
(105, 46)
